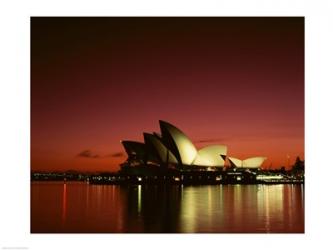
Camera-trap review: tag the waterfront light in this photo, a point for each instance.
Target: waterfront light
(269, 177)
(139, 198)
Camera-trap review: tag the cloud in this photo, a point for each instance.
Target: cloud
(118, 154)
(211, 140)
(88, 154)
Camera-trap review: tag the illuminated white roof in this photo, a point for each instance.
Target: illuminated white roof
(173, 146)
(163, 153)
(236, 162)
(178, 143)
(253, 162)
(211, 156)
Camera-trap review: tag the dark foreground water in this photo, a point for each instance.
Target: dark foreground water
(77, 207)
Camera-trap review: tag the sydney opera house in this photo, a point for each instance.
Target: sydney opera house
(173, 149)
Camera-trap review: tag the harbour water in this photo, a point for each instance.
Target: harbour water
(78, 207)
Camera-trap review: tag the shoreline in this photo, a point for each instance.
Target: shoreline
(105, 182)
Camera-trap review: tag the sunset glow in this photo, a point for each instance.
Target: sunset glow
(231, 81)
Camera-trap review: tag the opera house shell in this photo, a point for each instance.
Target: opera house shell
(253, 162)
(173, 148)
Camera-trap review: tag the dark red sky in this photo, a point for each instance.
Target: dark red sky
(232, 81)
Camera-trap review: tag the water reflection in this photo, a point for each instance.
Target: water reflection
(64, 203)
(139, 199)
(152, 208)
(79, 207)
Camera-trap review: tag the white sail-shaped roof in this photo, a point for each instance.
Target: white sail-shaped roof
(211, 156)
(179, 143)
(173, 146)
(253, 162)
(236, 162)
(164, 154)
(134, 147)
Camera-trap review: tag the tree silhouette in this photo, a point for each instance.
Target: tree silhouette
(299, 165)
